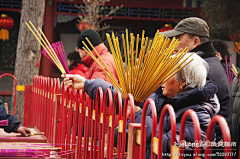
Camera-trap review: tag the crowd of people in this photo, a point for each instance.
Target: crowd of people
(202, 85)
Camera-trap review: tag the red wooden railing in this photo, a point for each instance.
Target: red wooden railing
(167, 108)
(143, 130)
(77, 124)
(197, 131)
(225, 133)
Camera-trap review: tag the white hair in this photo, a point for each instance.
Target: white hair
(194, 73)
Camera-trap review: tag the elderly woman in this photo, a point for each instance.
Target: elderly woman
(188, 89)
(185, 90)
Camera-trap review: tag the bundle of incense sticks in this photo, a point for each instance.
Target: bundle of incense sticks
(146, 74)
(59, 51)
(26, 149)
(228, 68)
(3, 122)
(55, 52)
(234, 70)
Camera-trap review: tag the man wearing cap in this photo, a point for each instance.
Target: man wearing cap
(193, 33)
(95, 71)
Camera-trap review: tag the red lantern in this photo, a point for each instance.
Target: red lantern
(166, 28)
(5, 23)
(83, 25)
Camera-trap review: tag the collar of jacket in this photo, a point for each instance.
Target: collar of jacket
(101, 48)
(206, 49)
(193, 96)
(81, 66)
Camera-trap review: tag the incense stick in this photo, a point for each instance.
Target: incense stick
(234, 70)
(4, 122)
(32, 134)
(229, 70)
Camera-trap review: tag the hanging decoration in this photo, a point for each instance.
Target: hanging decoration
(65, 18)
(5, 24)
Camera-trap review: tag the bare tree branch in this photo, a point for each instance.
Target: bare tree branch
(92, 13)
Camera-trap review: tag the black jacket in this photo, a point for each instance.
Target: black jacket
(217, 73)
(235, 89)
(13, 122)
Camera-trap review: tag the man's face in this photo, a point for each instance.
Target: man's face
(185, 41)
(82, 53)
(69, 62)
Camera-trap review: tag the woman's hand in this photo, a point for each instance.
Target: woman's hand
(74, 81)
(24, 131)
(136, 109)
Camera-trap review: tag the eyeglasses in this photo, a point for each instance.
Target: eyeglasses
(76, 48)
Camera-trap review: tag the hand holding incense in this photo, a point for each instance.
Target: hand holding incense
(32, 134)
(74, 81)
(23, 130)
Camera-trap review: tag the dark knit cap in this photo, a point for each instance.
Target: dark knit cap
(93, 37)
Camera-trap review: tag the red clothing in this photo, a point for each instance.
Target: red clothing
(95, 71)
(81, 69)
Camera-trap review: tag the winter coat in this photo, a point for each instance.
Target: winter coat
(13, 122)
(196, 99)
(235, 89)
(95, 71)
(81, 69)
(218, 75)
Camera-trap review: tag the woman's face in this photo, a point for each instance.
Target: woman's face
(172, 87)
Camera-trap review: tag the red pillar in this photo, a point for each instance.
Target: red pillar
(48, 29)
